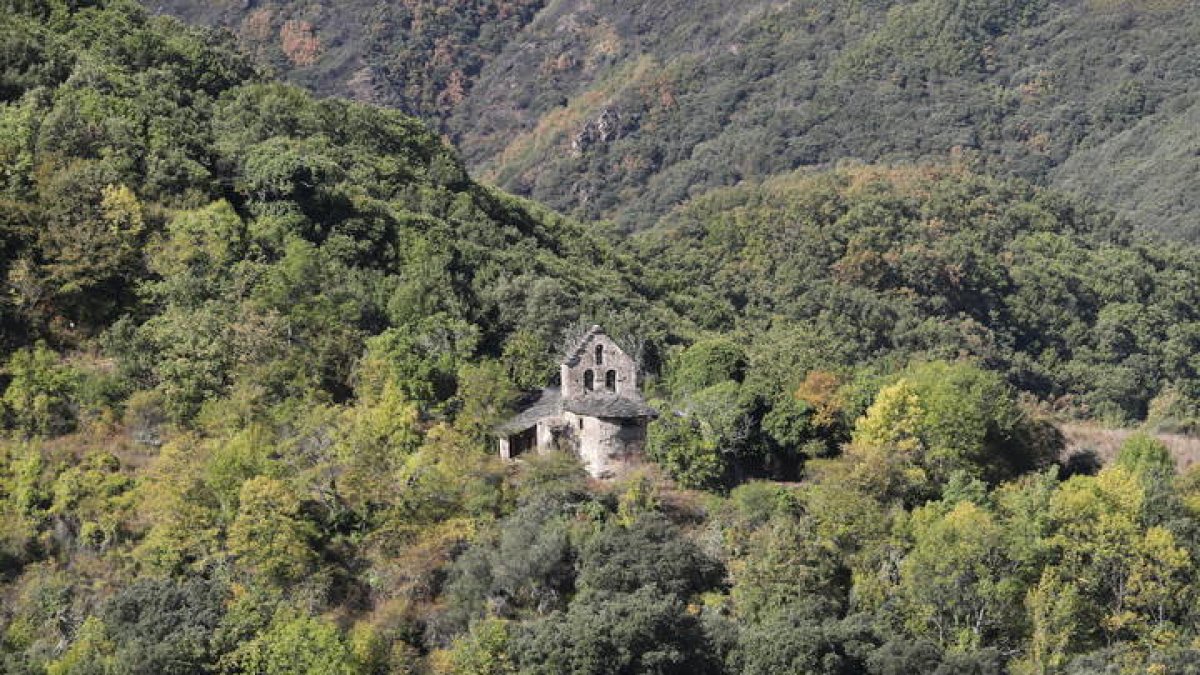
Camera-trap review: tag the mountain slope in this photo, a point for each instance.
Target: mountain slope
(253, 343)
(875, 264)
(421, 56)
(622, 110)
(159, 193)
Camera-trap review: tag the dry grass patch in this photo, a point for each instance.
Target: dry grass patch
(1104, 442)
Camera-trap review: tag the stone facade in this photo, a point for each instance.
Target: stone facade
(607, 445)
(598, 365)
(598, 413)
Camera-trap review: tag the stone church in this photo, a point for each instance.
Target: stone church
(597, 412)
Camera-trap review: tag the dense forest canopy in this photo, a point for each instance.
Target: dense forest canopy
(935, 263)
(622, 110)
(253, 342)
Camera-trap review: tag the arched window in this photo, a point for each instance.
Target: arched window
(610, 380)
(589, 381)
(599, 355)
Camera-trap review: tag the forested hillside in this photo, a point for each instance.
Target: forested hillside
(422, 56)
(252, 343)
(622, 110)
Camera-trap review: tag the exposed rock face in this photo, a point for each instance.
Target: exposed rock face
(598, 413)
(604, 129)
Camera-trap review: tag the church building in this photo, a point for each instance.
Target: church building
(597, 412)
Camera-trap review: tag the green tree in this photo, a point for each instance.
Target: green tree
(527, 360)
(648, 551)
(297, 643)
(1133, 577)
(527, 568)
(166, 625)
(486, 396)
(270, 536)
(421, 359)
(381, 433)
(954, 582)
(91, 653)
(706, 363)
(1054, 612)
(789, 643)
(95, 499)
(1144, 455)
(678, 444)
(785, 571)
(955, 417)
(91, 239)
(1152, 462)
(196, 252)
(40, 397)
(646, 631)
(484, 651)
(184, 513)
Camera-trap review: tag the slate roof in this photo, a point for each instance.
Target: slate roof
(547, 404)
(600, 404)
(550, 403)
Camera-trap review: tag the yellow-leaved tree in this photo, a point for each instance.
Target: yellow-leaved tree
(270, 537)
(1133, 579)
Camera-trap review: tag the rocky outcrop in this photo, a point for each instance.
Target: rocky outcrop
(606, 128)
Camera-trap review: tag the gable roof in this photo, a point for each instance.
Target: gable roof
(573, 354)
(609, 405)
(550, 403)
(547, 404)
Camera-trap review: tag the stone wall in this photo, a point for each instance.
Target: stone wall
(606, 445)
(607, 427)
